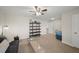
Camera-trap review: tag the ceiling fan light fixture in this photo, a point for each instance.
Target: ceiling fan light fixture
(38, 13)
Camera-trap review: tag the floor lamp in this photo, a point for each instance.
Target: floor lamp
(3, 28)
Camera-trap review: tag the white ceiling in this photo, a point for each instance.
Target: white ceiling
(52, 11)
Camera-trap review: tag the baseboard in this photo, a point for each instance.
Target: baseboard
(67, 43)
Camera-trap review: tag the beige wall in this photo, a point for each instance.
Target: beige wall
(67, 26)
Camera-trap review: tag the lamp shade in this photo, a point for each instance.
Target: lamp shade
(5, 27)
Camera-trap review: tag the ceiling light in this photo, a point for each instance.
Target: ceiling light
(38, 13)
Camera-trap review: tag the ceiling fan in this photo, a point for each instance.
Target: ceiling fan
(38, 11)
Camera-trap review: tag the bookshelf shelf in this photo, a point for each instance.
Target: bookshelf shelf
(34, 29)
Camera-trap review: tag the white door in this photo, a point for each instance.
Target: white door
(75, 30)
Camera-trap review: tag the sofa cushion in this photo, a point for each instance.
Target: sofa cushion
(3, 46)
(13, 47)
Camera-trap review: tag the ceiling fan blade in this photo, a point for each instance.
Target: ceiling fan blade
(44, 10)
(36, 7)
(31, 11)
(42, 13)
(33, 14)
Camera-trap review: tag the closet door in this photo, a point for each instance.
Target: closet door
(75, 30)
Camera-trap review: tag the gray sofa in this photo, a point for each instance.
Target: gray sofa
(13, 46)
(3, 44)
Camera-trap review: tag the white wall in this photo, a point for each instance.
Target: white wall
(44, 27)
(1, 21)
(54, 25)
(67, 26)
(18, 25)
